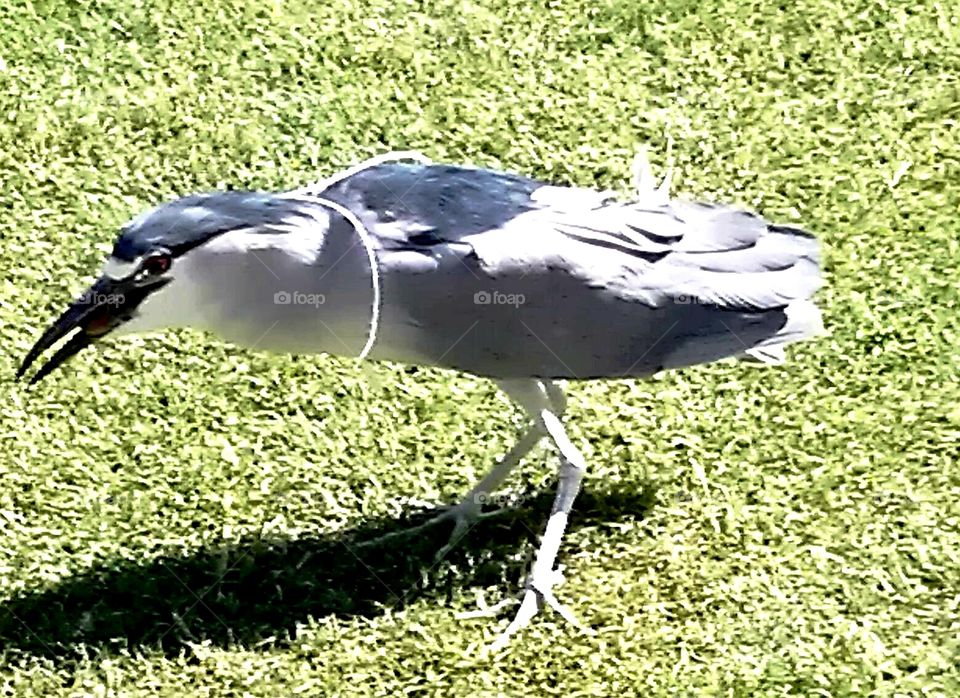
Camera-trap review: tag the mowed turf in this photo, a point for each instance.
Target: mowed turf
(179, 517)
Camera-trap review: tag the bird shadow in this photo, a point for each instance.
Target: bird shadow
(258, 591)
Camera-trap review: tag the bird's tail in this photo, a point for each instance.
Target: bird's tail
(758, 278)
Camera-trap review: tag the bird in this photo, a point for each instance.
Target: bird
(482, 271)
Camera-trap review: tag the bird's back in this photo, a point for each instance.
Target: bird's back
(504, 276)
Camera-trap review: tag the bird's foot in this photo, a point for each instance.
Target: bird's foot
(485, 611)
(464, 515)
(538, 593)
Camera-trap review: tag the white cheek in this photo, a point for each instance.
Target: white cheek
(172, 305)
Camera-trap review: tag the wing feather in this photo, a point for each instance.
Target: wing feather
(653, 250)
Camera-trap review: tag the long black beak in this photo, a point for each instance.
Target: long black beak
(105, 305)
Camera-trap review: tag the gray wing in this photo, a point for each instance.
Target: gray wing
(506, 276)
(417, 205)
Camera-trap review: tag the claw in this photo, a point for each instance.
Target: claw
(547, 597)
(458, 512)
(485, 611)
(539, 593)
(463, 521)
(465, 515)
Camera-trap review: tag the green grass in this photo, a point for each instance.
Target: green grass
(176, 515)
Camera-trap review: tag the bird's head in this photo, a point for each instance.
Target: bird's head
(157, 264)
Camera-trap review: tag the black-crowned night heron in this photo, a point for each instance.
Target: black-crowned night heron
(471, 269)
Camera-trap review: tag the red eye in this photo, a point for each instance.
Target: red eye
(156, 265)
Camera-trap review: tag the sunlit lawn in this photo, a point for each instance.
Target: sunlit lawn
(179, 517)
